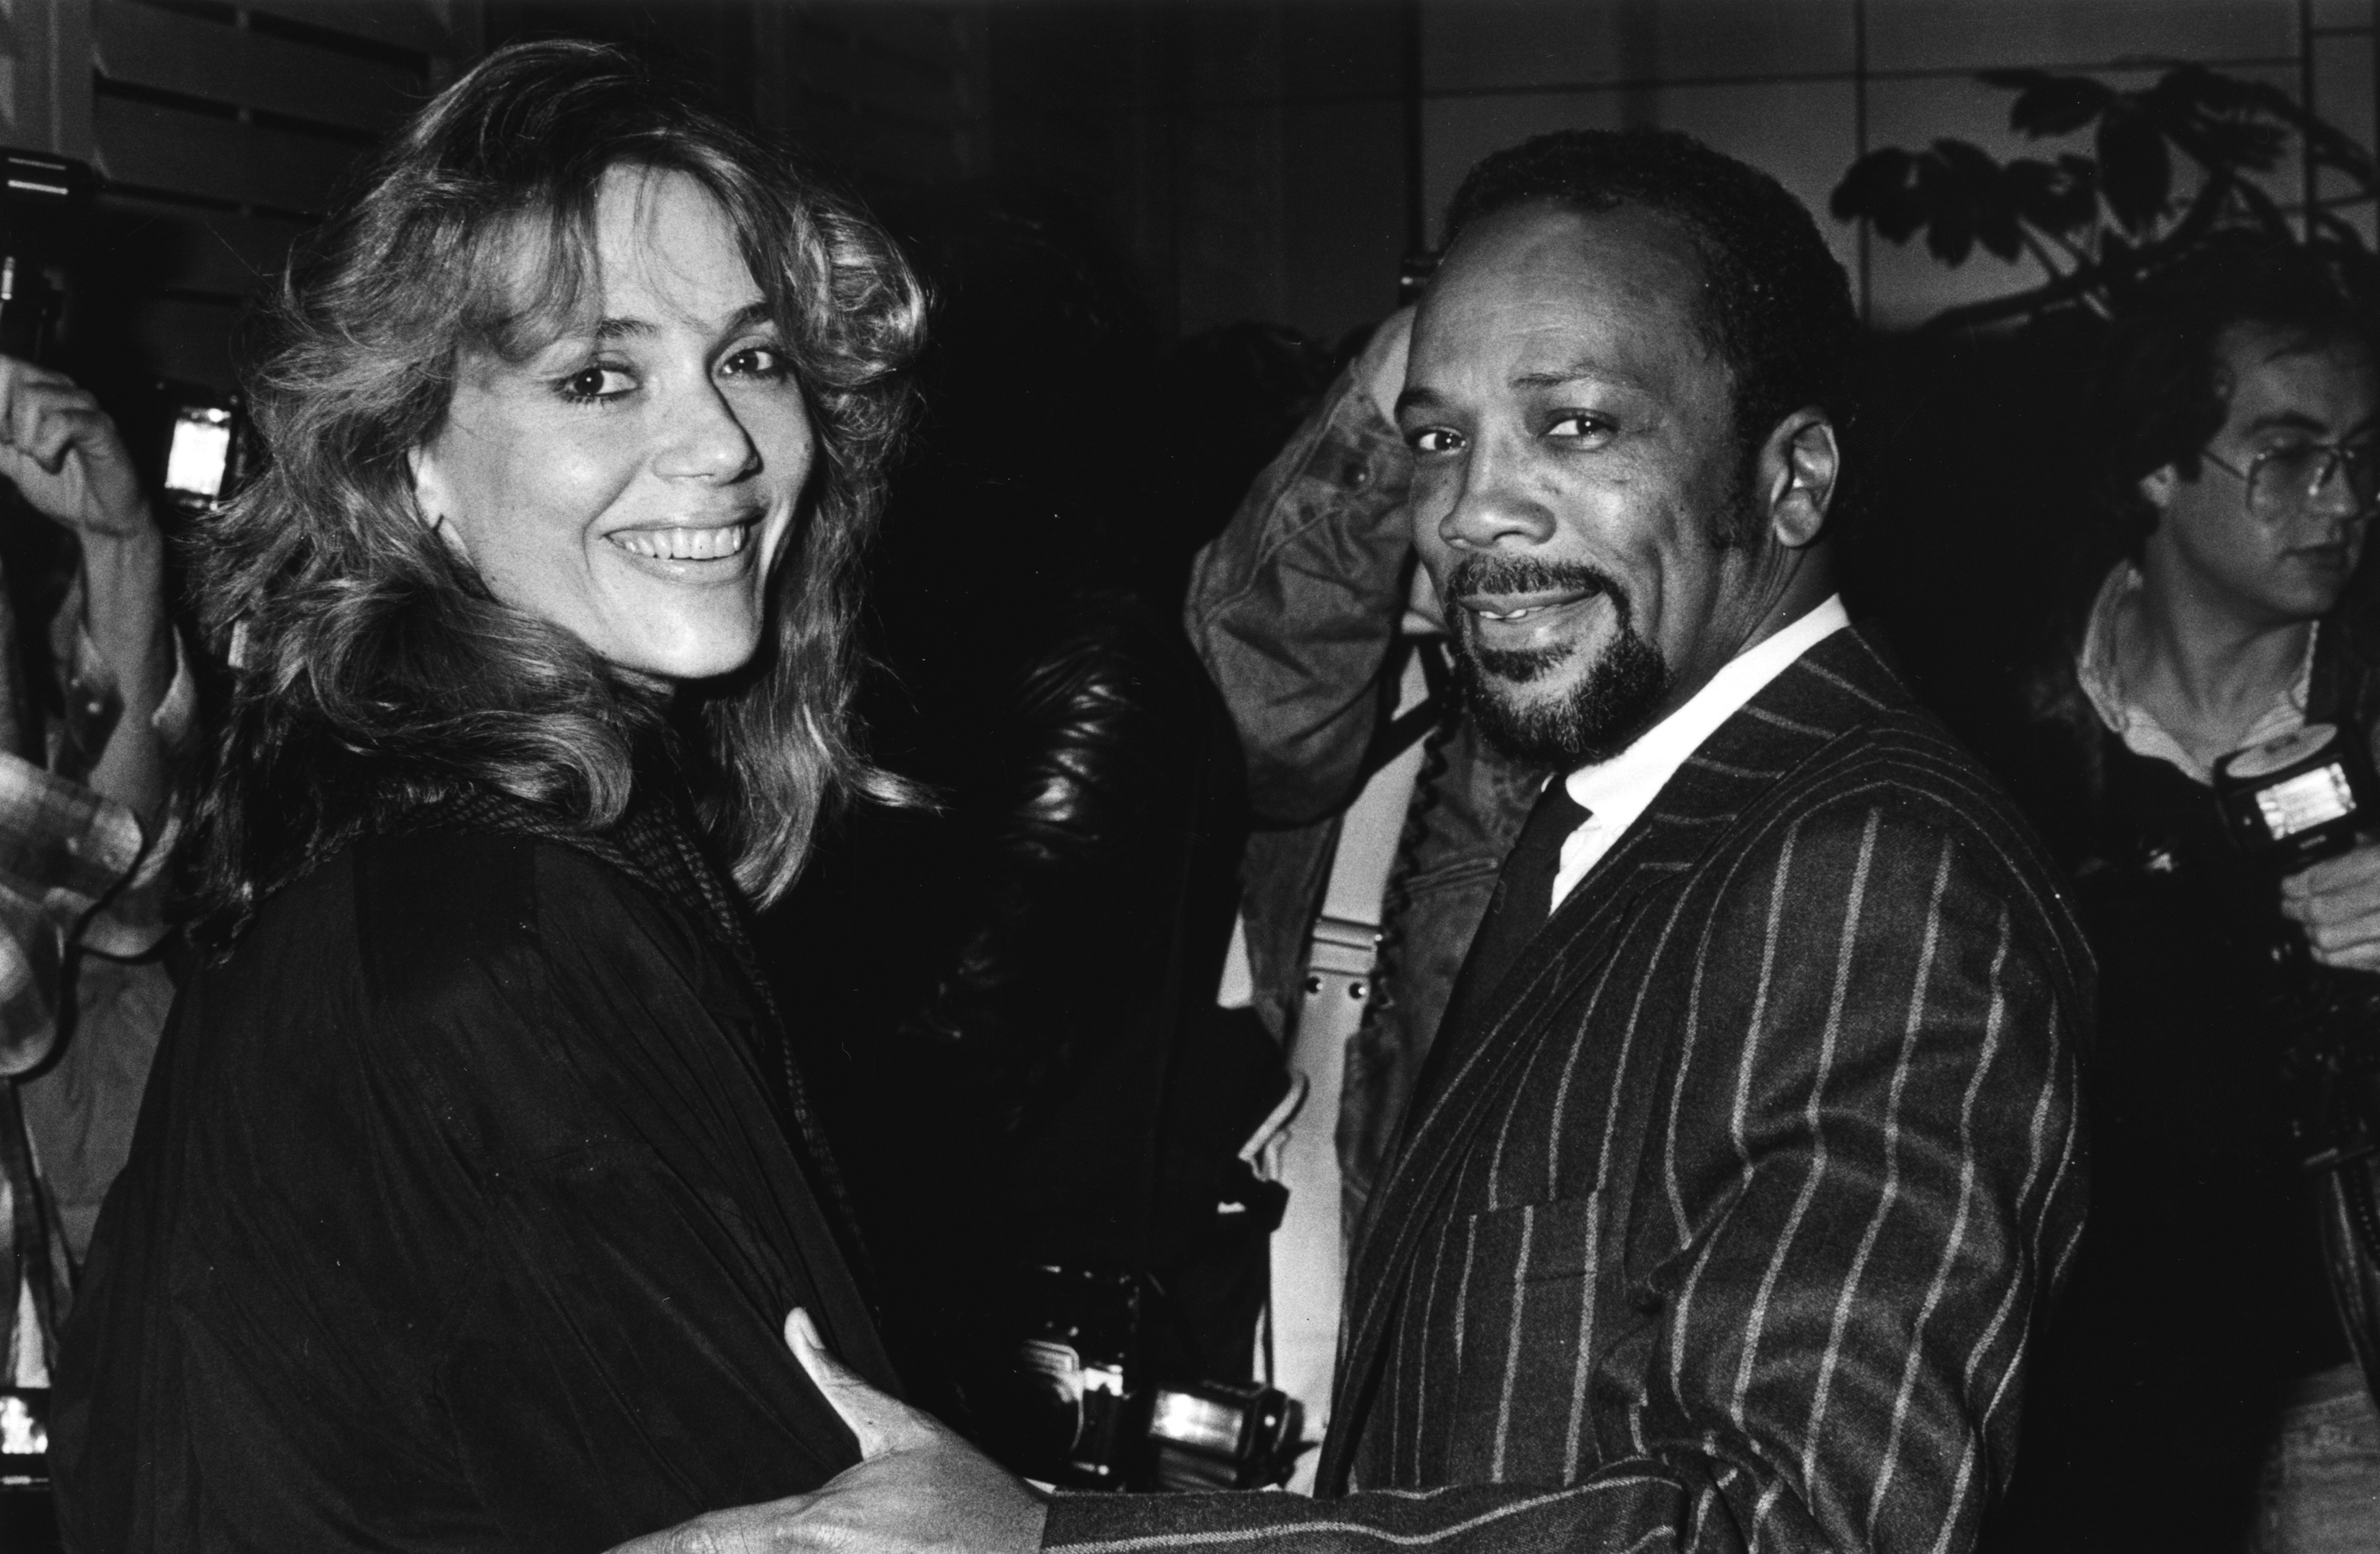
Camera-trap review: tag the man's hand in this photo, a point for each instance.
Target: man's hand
(1380, 366)
(917, 1488)
(64, 453)
(2338, 900)
(69, 463)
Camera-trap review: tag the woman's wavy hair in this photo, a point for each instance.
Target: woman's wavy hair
(375, 670)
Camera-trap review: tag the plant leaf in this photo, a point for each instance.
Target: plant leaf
(2052, 197)
(2221, 120)
(2115, 255)
(2337, 238)
(1965, 181)
(1880, 186)
(2057, 105)
(2206, 208)
(2135, 172)
(1950, 238)
(1946, 191)
(2265, 213)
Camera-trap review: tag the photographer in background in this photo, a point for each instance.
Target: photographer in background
(2199, 1351)
(85, 775)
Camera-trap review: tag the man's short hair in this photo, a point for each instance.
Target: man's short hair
(1779, 306)
(2161, 399)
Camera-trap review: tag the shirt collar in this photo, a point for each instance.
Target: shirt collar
(2102, 680)
(1618, 790)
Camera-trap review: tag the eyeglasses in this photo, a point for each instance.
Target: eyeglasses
(2287, 481)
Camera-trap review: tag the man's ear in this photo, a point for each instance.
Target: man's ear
(432, 501)
(1799, 467)
(2157, 487)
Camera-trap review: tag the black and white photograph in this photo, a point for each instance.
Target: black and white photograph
(1129, 776)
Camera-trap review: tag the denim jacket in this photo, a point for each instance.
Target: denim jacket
(1294, 610)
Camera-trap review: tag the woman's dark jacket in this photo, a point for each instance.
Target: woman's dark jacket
(462, 1214)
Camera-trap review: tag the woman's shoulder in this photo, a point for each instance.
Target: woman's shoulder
(441, 904)
(434, 906)
(431, 915)
(510, 994)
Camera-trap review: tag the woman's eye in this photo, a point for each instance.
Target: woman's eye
(596, 383)
(1436, 440)
(760, 361)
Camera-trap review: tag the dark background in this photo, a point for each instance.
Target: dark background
(1213, 162)
(1245, 161)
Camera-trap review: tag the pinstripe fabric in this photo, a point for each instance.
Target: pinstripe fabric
(1727, 1225)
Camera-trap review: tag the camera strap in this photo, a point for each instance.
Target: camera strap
(1342, 953)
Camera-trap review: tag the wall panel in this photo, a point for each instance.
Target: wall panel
(152, 147)
(141, 45)
(1803, 87)
(1962, 35)
(221, 131)
(421, 27)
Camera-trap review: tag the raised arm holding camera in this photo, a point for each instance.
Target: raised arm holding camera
(86, 828)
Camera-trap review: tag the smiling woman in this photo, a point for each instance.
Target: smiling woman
(466, 298)
(635, 480)
(477, 1172)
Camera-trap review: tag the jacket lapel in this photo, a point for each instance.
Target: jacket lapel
(1834, 687)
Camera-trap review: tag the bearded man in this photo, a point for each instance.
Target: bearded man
(1746, 1158)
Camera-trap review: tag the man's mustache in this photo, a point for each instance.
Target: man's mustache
(1496, 575)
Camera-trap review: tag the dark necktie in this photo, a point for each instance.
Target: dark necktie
(1522, 901)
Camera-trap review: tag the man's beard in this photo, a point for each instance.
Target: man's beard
(1613, 701)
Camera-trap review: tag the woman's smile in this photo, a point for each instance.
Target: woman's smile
(712, 543)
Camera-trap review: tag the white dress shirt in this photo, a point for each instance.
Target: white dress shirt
(1615, 792)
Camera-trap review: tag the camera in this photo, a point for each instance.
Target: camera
(2289, 802)
(207, 452)
(197, 439)
(24, 1436)
(2297, 799)
(1077, 1406)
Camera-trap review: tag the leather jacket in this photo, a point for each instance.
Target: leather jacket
(1017, 985)
(1294, 610)
(1094, 828)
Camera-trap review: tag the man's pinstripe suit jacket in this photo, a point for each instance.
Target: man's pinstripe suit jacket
(1728, 1220)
